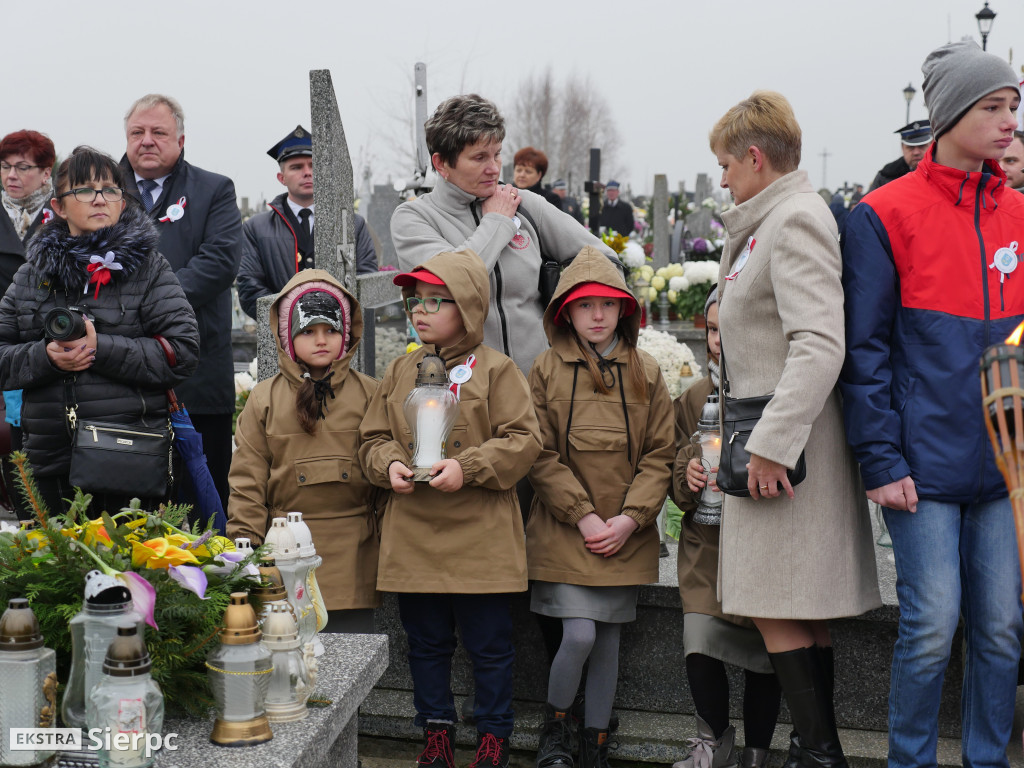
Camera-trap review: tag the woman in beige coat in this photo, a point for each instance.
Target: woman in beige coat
(298, 441)
(791, 558)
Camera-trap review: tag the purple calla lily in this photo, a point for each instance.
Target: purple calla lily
(190, 577)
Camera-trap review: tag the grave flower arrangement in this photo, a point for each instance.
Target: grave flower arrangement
(692, 286)
(677, 363)
(180, 580)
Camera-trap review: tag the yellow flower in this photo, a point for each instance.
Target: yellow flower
(672, 295)
(662, 272)
(412, 346)
(161, 553)
(652, 294)
(658, 283)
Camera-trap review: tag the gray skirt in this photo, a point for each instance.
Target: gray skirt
(725, 641)
(613, 605)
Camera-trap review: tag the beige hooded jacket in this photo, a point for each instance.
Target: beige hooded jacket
(605, 453)
(278, 467)
(469, 541)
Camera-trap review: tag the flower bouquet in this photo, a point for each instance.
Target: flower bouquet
(180, 580)
(692, 286)
(676, 360)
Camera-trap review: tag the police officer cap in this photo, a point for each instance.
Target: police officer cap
(298, 142)
(917, 134)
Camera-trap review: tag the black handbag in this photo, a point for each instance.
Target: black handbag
(739, 417)
(550, 269)
(124, 459)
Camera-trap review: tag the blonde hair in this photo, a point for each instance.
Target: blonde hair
(764, 120)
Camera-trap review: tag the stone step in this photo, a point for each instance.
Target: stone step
(387, 735)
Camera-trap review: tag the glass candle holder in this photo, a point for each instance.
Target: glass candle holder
(127, 705)
(107, 603)
(239, 672)
(28, 682)
(292, 679)
(708, 441)
(430, 410)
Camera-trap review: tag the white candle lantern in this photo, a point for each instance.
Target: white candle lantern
(28, 680)
(430, 411)
(708, 440)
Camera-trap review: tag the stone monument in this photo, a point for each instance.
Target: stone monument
(659, 214)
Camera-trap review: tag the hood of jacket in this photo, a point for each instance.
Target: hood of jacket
(589, 266)
(464, 275)
(339, 368)
(56, 252)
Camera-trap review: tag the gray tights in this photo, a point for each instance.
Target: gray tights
(584, 639)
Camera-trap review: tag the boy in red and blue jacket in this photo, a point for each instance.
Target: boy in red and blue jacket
(932, 278)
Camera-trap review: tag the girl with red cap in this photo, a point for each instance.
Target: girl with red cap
(607, 426)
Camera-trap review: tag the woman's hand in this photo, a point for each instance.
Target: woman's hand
(766, 478)
(74, 355)
(505, 201)
(696, 477)
(400, 477)
(610, 540)
(447, 475)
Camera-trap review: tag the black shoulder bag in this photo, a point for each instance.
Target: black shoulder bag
(739, 417)
(550, 269)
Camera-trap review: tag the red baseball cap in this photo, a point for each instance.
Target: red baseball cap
(409, 278)
(598, 289)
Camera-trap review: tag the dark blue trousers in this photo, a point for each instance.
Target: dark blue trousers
(485, 625)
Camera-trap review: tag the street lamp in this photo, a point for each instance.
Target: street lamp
(908, 94)
(985, 18)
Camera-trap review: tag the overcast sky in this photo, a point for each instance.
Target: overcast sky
(668, 70)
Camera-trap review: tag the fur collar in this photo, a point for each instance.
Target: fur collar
(56, 252)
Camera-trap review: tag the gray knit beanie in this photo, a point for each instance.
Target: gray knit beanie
(956, 76)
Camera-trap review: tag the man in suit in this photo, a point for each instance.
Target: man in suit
(200, 235)
(279, 242)
(616, 214)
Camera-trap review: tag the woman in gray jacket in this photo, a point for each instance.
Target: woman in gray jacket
(471, 209)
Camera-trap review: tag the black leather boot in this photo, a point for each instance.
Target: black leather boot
(556, 740)
(801, 674)
(828, 660)
(594, 748)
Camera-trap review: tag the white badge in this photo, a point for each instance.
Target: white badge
(175, 212)
(1006, 259)
(460, 374)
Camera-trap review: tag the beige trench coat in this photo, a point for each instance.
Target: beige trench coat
(782, 332)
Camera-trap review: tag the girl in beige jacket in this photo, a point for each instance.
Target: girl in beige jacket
(606, 421)
(298, 441)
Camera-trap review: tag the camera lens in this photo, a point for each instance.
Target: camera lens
(61, 324)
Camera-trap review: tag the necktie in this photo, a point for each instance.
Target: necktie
(146, 187)
(304, 215)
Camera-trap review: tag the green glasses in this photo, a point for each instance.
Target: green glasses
(431, 304)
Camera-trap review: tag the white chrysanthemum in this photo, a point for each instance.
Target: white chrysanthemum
(243, 382)
(678, 284)
(253, 369)
(672, 356)
(6, 527)
(633, 256)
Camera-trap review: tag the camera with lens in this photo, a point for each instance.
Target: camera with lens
(63, 323)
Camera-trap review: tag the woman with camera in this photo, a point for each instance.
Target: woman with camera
(97, 265)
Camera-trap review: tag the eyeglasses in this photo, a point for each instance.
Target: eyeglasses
(20, 167)
(88, 194)
(431, 304)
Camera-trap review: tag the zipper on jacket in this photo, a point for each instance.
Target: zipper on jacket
(497, 294)
(988, 316)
